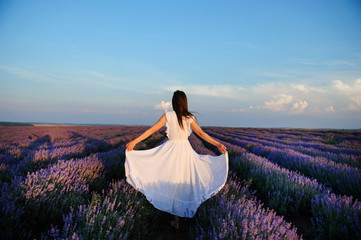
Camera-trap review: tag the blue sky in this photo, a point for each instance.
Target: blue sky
(241, 63)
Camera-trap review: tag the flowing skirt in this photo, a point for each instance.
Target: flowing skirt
(174, 178)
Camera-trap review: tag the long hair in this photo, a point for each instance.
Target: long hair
(180, 106)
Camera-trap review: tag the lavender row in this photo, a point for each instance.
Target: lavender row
(318, 145)
(26, 135)
(113, 215)
(332, 215)
(198, 146)
(46, 139)
(350, 159)
(339, 157)
(281, 188)
(232, 214)
(45, 195)
(31, 160)
(44, 148)
(114, 159)
(341, 177)
(336, 217)
(340, 138)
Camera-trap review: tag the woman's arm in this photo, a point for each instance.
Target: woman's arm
(147, 133)
(197, 129)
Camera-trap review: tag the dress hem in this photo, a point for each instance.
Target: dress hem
(129, 180)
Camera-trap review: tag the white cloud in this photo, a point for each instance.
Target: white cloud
(279, 103)
(292, 98)
(339, 85)
(223, 91)
(298, 107)
(300, 87)
(346, 88)
(166, 106)
(283, 103)
(241, 110)
(355, 105)
(357, 100)
(352, 93)
(330, 109)
(358, 83)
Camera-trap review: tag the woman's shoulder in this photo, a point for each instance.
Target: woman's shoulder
(168, 114)
(189, 118)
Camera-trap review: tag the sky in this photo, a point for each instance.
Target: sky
(241, 63)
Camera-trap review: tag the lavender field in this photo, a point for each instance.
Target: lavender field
(68, 182)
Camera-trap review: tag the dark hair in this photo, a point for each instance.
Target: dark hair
(180, 106)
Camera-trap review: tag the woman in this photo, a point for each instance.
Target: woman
(172, 176)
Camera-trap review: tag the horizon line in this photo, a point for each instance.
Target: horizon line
(40, 124)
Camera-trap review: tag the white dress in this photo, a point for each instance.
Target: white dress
(172, 176)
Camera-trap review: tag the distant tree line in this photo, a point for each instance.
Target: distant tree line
(15, 124)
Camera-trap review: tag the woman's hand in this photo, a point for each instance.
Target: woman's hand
(130, 146)
(222, 148)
